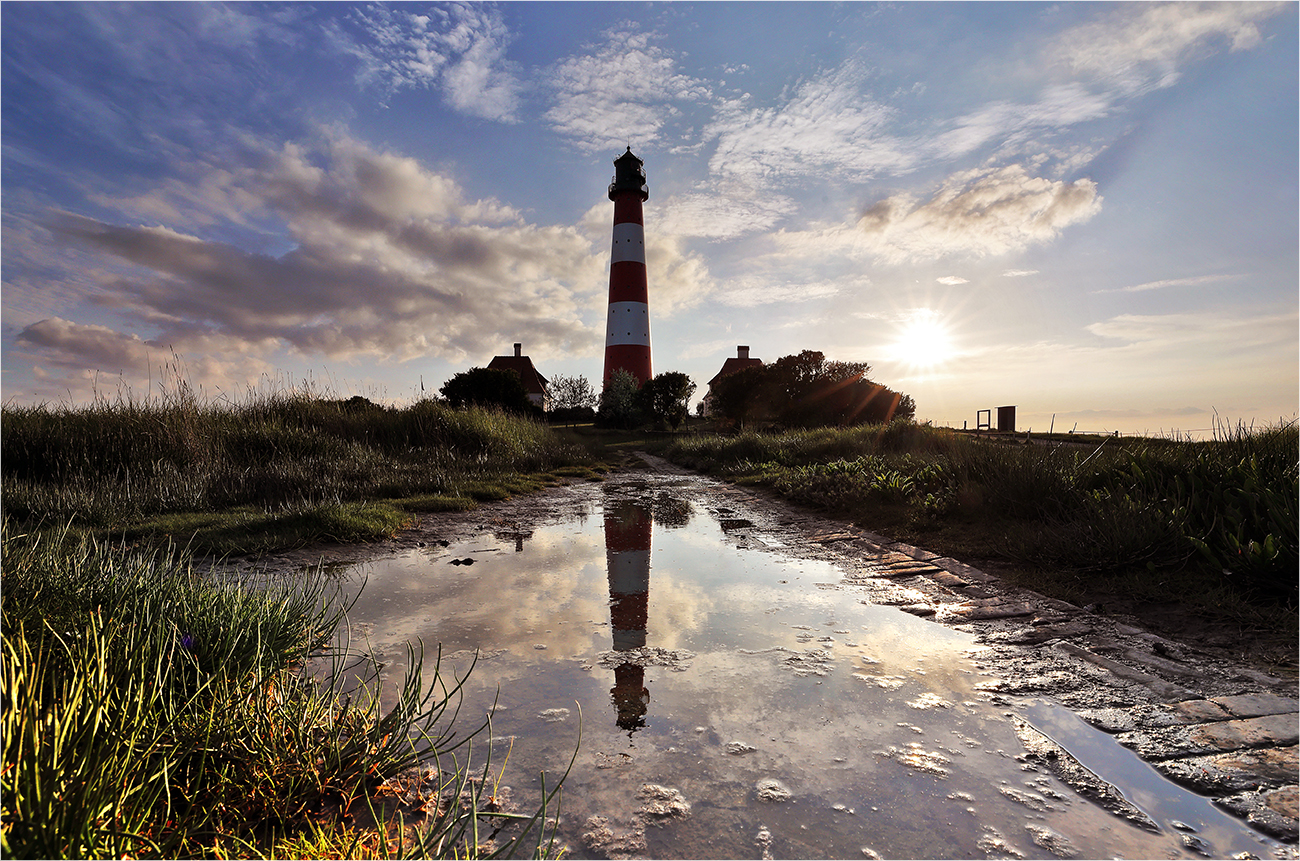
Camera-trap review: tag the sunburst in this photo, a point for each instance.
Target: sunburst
(924, 340)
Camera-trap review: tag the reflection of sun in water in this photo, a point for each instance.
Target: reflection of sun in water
(923, 340)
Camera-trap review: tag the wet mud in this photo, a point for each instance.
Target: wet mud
(1025, 712)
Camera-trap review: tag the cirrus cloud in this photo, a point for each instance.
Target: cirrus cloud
(1135, 49)
(623, 90)
(828, 125)
(459, 49)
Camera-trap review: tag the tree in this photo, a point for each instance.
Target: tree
(572, 398)
(806, 390)
(489, 387)
(667, 398)
(865, 402)
(618, 401)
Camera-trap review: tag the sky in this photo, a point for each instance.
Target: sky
(1088, 211)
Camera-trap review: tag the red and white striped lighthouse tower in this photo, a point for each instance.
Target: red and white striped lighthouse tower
(627, 329)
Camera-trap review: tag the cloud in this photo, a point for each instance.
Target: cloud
(458, 49)
(1129, 50)
(621, 91)
(133, 80)
(1201, 331)
(1171, 282)
(952, 280)
(751, 292)
(390, 262)
(726, 213)
(979, 213)
(378, 259)
(827, 127)
(1008, 123)
(1137, 48)
(1019, 273)
(81, 359)
(78, 347)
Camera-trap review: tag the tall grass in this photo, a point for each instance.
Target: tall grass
(153, 711)
(287, 453)
(1229, 504)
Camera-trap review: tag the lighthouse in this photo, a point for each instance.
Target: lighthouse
(627, 328)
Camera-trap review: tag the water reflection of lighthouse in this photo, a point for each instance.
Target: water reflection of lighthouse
(627, 555)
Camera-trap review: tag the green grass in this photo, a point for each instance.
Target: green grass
(277, 471)
(151, 710)
(251, 531)
(1211, 523)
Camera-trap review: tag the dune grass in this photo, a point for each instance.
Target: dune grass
(151, 710)
(1213, 521)
(278, 470)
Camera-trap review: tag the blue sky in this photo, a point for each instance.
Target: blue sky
(1085, 210)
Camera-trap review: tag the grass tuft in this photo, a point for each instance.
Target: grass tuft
(153, 710)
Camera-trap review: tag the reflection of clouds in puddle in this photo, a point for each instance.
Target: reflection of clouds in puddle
(507, 600)
(482, 655)
(658, 805)
(678, 608)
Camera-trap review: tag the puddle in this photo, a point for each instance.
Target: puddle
(731, 705)
(1203, 827)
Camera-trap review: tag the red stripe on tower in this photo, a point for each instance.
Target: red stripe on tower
(627, 328)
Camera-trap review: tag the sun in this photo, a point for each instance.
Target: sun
(924, 340)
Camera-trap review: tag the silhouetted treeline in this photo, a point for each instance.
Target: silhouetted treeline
(807, 390)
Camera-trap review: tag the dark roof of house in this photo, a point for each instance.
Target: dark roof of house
(733, 365)
(534, 383)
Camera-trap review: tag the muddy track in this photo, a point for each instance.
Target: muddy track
(1225, 731)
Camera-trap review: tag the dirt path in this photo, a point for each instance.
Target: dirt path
(1224, 730)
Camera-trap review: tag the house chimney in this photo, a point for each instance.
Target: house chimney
(742, 352)
(519, 350)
